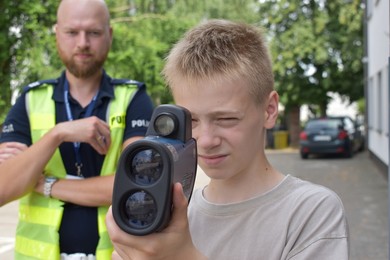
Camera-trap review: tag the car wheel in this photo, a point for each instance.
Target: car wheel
(348, 153)
(304, 155)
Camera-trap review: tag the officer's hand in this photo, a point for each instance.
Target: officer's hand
(10, 149)
(174, 242)
(90, 130)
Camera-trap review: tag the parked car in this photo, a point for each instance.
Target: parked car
(331, 135)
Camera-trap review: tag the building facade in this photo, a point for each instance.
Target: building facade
(377, 48)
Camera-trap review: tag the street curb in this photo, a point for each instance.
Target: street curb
(284, 150)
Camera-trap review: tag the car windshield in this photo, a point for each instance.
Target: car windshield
(323, 124)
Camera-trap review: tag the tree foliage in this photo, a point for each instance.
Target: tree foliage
(26, 45)
(317, 48)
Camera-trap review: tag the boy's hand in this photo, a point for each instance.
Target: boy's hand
(174, 242)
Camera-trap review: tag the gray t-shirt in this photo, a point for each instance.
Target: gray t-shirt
(295, 220)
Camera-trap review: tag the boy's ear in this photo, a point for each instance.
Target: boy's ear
(271, 110)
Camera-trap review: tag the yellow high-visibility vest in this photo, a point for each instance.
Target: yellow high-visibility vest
(37, 234)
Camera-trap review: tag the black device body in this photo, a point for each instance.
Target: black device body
(148, 168)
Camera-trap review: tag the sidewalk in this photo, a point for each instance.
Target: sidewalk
(8, 221)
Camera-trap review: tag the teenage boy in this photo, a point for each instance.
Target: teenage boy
(221, 71)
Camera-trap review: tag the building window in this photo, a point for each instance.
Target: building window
(371, 104)
(386, 100)
(379, 103)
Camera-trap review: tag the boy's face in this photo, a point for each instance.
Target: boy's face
(227, 124)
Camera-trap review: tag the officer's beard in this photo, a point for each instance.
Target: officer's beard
(83, 70)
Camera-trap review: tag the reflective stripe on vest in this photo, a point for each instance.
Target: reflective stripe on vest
(37, 234)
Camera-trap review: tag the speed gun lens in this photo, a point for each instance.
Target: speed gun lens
(146, 167)
(140, 209)
(165, 124)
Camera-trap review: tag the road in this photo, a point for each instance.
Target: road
(359, 183)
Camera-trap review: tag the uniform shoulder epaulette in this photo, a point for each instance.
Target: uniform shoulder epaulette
(40, 83)
(127, 82)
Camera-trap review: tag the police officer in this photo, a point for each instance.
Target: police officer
(61, 141)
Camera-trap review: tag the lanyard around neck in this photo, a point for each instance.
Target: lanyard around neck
(88, 113)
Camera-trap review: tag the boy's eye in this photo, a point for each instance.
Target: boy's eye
(227, 121)
(194, 122)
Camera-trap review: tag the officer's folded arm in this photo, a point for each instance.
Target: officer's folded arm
(90, 192)
(20, 173)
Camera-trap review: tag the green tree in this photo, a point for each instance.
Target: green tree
(26, 33)
(7, 40)
(316, 48)
(144, 31)
(139, 48)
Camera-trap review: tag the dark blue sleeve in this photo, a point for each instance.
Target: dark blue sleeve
(138, 115)
(16, 127)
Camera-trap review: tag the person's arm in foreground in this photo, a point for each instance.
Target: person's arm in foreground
(19, 174)
(174, 242)
(10, 149)
(91, 192)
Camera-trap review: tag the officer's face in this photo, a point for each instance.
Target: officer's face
(83, 36)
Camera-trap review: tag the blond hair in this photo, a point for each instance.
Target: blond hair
(219, 49)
